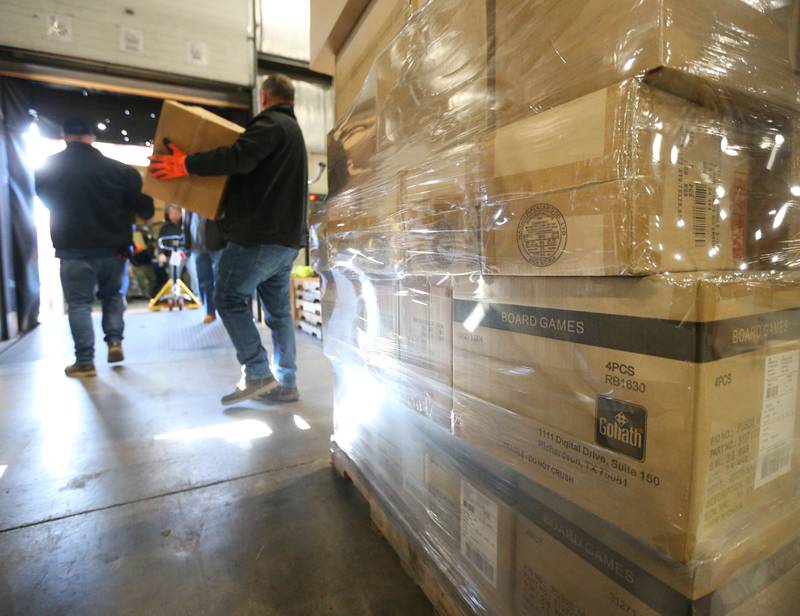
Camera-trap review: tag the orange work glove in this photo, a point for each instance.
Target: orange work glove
(169, 166)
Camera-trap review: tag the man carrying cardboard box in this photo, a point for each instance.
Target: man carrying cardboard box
(92, 201)
(264, 220)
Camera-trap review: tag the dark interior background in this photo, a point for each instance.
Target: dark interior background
(136, 115)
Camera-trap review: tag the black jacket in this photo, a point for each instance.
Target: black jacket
(92, 201)
(170, 229)
(265, 201)
(202, 234)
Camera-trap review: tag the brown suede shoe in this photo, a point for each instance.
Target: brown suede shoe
(249, 389)
(281, 394)
(81, 370)
(115, 354)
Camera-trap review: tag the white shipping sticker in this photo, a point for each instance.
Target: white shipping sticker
(776, 441)
(479, 524)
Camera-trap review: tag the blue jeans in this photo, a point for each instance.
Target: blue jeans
(266, 269)
(206, 264)
(79, 278)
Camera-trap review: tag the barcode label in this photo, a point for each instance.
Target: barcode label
(481, 564)
(700, 215)
(773, 391)
(479, 528)
(776, 438)
(777, 462)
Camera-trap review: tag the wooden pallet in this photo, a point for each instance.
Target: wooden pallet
(310, 328)
(311, 317)
(310, 307)
(304, 290)
(311, 284)
(415, 561)
(293, 297)
(309, 296)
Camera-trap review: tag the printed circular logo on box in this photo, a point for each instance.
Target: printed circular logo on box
(542, 234)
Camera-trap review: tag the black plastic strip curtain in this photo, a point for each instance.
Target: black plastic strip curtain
(19, 270)
(8, 319)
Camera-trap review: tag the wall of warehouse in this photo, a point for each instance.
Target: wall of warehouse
(284, 30)
(196, 38)
(315, 130)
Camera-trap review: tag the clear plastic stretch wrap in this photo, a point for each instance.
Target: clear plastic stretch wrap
(562, 301)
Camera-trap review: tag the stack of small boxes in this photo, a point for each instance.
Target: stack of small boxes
(560, 267)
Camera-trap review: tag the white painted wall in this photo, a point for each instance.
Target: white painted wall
(199, 38)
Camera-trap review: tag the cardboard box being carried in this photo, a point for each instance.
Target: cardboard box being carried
(548, 52)
(193, 129)
(626, 180)
(666, 405)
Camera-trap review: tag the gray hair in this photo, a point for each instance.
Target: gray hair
(279, 87)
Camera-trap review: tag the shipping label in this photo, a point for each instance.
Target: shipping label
(479, 528)
(776, 439)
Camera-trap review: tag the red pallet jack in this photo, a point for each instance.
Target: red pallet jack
(174, 293)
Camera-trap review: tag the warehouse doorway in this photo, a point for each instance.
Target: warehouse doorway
(124, 125)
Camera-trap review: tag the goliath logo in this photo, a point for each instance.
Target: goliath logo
(621, 427)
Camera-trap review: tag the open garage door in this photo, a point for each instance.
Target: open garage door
(33, 111)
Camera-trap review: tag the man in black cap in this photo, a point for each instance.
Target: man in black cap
(92, 201)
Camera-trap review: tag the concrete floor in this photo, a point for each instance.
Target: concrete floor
(137, 493)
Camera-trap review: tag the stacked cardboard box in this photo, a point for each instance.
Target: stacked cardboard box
(589, 395)
(625, 180)
(425, 370)
(718, 52)
(664, 404)
(523, 550)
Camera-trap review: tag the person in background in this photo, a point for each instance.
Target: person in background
(206, 244)
(92, 201)
(126, 274)
(264, 223)
(173, 225)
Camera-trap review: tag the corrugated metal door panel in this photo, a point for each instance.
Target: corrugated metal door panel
(313, 105)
